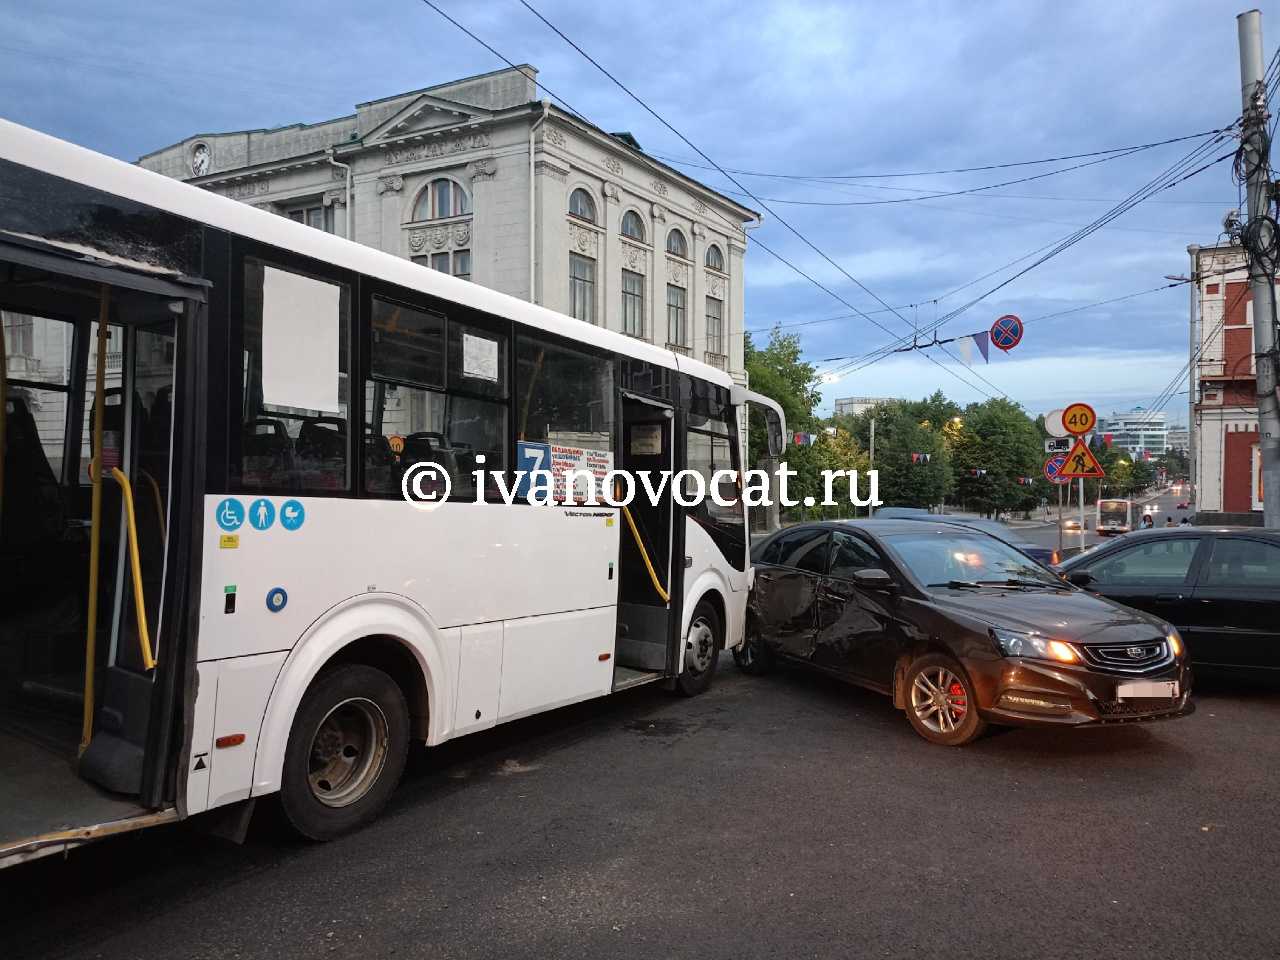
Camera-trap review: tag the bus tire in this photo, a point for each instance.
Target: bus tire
(346, 751)
(702, 650)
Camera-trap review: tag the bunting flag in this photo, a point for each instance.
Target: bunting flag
(1107, 438)
(966, 350)
(799, 439)
(983, 341)
(915, 458)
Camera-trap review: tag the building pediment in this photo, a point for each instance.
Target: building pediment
(427, 115)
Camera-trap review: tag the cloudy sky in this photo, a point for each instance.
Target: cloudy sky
(852, 90)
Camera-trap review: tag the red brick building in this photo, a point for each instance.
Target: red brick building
(1228, 464)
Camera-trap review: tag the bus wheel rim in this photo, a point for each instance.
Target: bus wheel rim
(348, 752)
(701, 647)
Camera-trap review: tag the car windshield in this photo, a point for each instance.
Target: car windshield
(964, 558)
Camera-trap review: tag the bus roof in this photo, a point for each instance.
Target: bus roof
(30, 148)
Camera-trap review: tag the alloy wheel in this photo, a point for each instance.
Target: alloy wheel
(939, 699)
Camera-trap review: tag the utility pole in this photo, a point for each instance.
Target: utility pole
(871, 507)
(1260, 242)
(1194, 251)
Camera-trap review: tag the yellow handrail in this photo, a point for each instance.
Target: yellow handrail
(95, 530)
(155, 487)
(645, 555)
(140, 606)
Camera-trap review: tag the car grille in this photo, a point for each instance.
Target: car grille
(1138, 706)
(1130, 657)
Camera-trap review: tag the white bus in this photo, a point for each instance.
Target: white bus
(245, 604)
(1116, 516)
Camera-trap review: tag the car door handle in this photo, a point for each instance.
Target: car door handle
(1168, 597)
(763, 576)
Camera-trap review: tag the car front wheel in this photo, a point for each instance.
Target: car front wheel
(940, 701)
(754, 657)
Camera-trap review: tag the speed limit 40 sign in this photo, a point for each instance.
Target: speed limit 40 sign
(1079, 419)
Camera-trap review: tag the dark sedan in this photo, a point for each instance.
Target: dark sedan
(1220, 588)
(958, 627)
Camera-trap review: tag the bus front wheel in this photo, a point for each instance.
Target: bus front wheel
(701, 650)
(346, 751)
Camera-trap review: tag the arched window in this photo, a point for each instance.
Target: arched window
(632, 225)
(715, 259)
(676, 244)
(581, 205)
(442, 198)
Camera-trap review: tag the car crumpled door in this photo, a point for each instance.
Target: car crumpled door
(1235, 610)
(854, 632)
(785, 591)
(1154, 574)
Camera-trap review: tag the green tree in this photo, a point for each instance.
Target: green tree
(777, 372)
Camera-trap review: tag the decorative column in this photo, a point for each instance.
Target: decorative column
(389, 192)
(655, 283)
(609, 277)
(480, 231)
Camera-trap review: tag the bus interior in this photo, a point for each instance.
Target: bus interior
(77, 677)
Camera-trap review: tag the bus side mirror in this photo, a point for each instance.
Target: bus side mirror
(774, 419)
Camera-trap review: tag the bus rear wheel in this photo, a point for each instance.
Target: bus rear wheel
(346, 751)
(701, 650)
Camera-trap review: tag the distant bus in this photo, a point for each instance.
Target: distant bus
(244, 603)
(1115, 516)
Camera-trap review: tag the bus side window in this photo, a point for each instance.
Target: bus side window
(294, 433)
(415, 355)
(564, 405)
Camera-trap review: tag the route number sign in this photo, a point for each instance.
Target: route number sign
(1079, 419)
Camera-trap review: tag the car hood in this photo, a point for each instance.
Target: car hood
(1060, 614)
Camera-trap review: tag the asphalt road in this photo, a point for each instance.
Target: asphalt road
(1046, 535)
(786, 816)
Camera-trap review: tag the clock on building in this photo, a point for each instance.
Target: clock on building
(200, 158)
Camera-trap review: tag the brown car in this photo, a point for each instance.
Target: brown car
(960, 628)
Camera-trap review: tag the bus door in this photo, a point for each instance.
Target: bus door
(83, 570)
(644, 557)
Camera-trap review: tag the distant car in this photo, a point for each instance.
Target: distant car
(961, 629)
(1184, 505)
(1046, 555)
(1071, 523)
(901, 513)
(1219, 588)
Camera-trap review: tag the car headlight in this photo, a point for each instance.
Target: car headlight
(1175, 641)
(1014, 644)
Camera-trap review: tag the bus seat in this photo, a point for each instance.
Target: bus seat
(322, 453)
(429, 447)
(35, 512)
(381, 469)
(267, 453)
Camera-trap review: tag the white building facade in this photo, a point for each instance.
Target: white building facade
(852, 406)
(479, 179)
(1140, 431)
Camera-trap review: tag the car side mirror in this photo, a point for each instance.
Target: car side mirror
(873, 579)
(1081, 578)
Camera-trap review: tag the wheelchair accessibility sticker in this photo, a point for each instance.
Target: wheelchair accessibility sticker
(230, 514)
(262, 514)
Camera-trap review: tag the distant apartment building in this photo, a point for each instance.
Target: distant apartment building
(480, 179)
(1228, 467)
(1140, 431)
(852, 406)
(1177, 438)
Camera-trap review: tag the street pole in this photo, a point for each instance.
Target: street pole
(1194, 251)
(1082, 514)
(1260, 238)
(871, 509)
(1059, 519)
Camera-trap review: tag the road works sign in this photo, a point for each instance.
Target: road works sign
(1079, 419)
(1081, 463)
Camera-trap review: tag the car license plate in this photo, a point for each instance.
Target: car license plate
(1147, 688)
